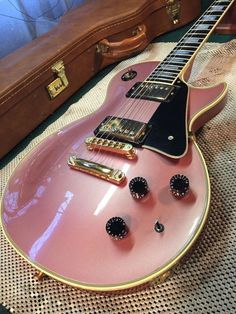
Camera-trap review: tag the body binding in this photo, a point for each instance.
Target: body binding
(55, 217)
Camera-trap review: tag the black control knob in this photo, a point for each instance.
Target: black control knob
(179, 185)
(116, 228)
(138, 187)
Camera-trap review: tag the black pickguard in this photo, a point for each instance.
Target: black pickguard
(168, 121)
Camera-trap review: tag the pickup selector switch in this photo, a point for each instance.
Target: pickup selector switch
(116, 228)
(179, 185)
(138, 187)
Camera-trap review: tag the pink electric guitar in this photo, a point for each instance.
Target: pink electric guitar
(118, 198)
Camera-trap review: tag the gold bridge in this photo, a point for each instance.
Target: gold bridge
(98, 170)
(122, 149)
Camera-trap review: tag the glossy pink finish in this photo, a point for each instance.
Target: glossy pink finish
(56, 216)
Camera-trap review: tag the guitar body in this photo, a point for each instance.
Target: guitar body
(55, 216)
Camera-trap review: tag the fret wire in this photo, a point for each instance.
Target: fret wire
(177, 62)
(185, 46)
(164, 74)
(211, 22)
(189, 45)
(168, 75)
(200, 32)
(178, 54)
(194, 35)
(185, 50)
(174, 71)
(182, 59)
(171, 73)
(173, 67)
(166, 78)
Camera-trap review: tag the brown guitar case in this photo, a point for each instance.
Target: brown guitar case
(228, 24)
(37, 78)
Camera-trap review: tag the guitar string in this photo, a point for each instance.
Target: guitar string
(160, 69)
(168, 60)
(183, 43)
(157, 72)
(163, 66)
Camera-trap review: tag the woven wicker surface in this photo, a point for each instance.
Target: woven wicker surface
(206, 282)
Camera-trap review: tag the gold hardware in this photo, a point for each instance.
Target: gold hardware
(173, 10)
(40, 276)
(98, 170)
(137, 30)
(121, 128)
(159, 280)
(61, 82)
(102, 48)
(123, 149)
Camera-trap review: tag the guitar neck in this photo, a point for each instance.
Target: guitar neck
(174, 64)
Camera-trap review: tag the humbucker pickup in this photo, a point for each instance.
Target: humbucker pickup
(125, 130)
(153, 91)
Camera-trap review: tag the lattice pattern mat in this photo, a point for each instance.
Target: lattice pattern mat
(206, 283)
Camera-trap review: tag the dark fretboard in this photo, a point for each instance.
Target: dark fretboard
(170, 68)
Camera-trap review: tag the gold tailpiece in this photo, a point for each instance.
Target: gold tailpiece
(98, 170)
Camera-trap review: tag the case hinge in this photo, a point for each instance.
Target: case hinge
(173, 10)
(61, 82)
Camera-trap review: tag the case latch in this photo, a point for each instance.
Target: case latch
(173, 10)
(61, 82)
